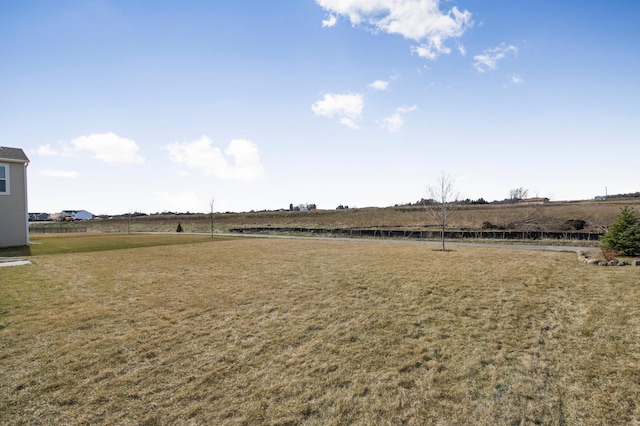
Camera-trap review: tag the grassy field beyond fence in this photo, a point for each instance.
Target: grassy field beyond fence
(595, 216)
(257, 331)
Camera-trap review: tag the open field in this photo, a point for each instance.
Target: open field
(550, 217)
(257, 331)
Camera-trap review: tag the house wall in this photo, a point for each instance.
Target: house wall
(13, 208)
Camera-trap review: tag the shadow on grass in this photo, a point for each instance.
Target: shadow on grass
(15, 251)
(91, 242)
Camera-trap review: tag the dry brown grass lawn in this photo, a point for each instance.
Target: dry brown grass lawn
(318, 332)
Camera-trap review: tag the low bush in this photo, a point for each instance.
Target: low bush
(623, 236)
(574, 225)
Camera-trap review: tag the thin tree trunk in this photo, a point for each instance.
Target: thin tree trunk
(211, 214)
(444, 222)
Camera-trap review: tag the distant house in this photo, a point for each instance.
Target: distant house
(75, 215)
(14, 226)
(39, 217)
(537, 200)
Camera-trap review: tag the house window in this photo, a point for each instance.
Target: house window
(4, 179)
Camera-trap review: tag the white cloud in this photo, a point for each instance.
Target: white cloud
(395, 121)
(330, 22)
(379, 85)
(489, 60)
(346, 108)
(107, 147)
(68, 174)
(48, 151)
(211, 161)
(516, 79)
(462, 50)
(405, 110)
(419, 20)
(110, 148)
(348, 122)
(425, 52)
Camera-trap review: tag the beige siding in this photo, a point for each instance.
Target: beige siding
(13, 208)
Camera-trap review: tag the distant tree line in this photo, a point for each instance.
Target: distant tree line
(515, 195)
(629, 195)
(431, 201)
(302, 207)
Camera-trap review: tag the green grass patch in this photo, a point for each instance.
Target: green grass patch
(90, 242)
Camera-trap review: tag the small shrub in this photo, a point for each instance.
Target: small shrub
(623, 235)
(574, 224)
(609, 255)
(179, 228)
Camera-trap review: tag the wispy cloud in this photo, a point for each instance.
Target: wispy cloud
(329, 22)
(47, 150)
(515, 78)
(395, 122)
(107, 147)
(67, 174)
(419, 20)
(346, 108)
(379, 85)
(240, 161)
(488, 61)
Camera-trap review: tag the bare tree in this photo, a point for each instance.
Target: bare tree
(442, 202)
(518, 194)
(211, 213)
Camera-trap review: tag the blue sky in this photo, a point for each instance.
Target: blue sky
(161, 105)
